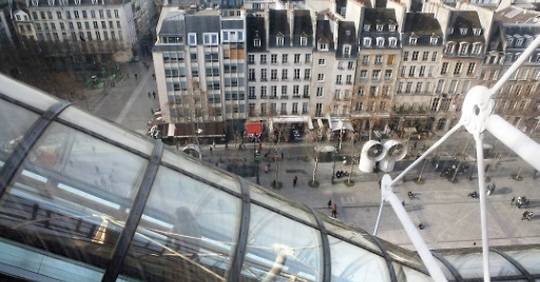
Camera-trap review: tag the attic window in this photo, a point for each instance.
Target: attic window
(380, 41)
(367, 42)
(77, 2)
(35, 2)
(434, 40)
(346, 50)
(392, 41)
(391, 27)
(477, 48)
(323, 46)
(303, 41)
(477, 31)
(450, 47)
(51, 2)
(519, 42)
(280, 40)
(257, 42)
(463, 30)
(450, 30)
(413, 40)
(380, 27)
(463, 48)
(367, 27)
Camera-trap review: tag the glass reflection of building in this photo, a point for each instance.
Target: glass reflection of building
(70, 189)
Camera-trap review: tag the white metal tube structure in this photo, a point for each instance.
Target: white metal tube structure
(379, 215)
(482, 191)
(426, 153)
(524, 56)
(433, 268)
(513, 138)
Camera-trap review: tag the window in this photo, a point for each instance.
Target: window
(400, 87)
(385, 90)
(211, 39)
(296, 58)
(444, 68)
(322, 61)
(273, 59)
(273, 90)
(408, 87)
(346, 50)
(257, 42)
(434, 56)
(273, 74)
(378, 59)
(390, 59)
(425, 55)
(284, 90)
(412, 69)
(418, 88)
(280, 40)
(477, 31)
(350, 65)
(373, 91)
(304, 108)
(348, 79)
(320, 77)
(470, 69)
(434, 40)
(367, 27)
(405, 56)
(365, 60)
(294, 108)
(116, 14)
(457, 69)
(440, 85)
(251, 92)
(308, 58)
(296, 74)
(251, 59)
(380, 42)
(307, 74)
(263, 91)
(414, 56)
(376, 74)
(413, 40)
(379, 27)
(363, 74)
(262, 59)
(284, 74)
(75, 13)
(422, 71)
(463, 48)
(477, 48)
(318, 109)
(367, 42)
(284, 58)
(338, 79)
(392, 41)
(303, 41)
(360, 91)
(251, 74)
(392, 27)
(192, 39)
(296, 90)
(320, 91)
(263, 75)
(388, 74)
(463, 30)
(306, 91)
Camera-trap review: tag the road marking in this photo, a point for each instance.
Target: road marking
(136, 93)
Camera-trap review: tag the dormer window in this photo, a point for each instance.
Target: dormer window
(477, 48)
(450, 30)
(392, 41)
(380, 27)
(367, 42)
(519, 41)
(391, 27)
(463, 30)
(509, 40)
(192, 39)
(450, 47)
(346, 50)
(323, 46)
(51, 2)
(35, 2)
(303, 41)
(280, 40)
(367, 27)
(477, 31)
(380, 42)
(434, 40)
(77, 2)
(413, 40)
(257, 42)
(463, 48)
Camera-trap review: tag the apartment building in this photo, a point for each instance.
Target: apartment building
(515, 28)
(421, 41)
(77, 32)
(280, 48)
(376, 71)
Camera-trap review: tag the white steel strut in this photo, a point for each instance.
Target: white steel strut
(476, 116)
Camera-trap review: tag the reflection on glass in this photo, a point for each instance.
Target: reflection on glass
(470, 265)
(353, 264)
(71, 196)
(358, 236)
(188, 232)
(280, 249)
(407, 274)
(15, 121)
(528, 258)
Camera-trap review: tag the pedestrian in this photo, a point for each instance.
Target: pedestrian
(154, 94)
(295, 180)
(329, 204)
(334, 210)
(136, 76)
(211, 150)
(513, 201)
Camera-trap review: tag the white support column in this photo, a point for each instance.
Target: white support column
(482, 191)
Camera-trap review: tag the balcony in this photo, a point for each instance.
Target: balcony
(284, 97)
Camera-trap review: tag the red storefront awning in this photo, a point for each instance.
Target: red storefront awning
(253, 128)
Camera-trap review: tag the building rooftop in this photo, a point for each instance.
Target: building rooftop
(468, 20)
(255, 29)
(302, 26)
(324, 34)
(517, 15)
(278, 26)
(346, 36)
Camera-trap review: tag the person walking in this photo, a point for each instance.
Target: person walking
(154, 94)
(136, 76)
(334, 210)
(295, 180)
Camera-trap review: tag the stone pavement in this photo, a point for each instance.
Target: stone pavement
(450, 216)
